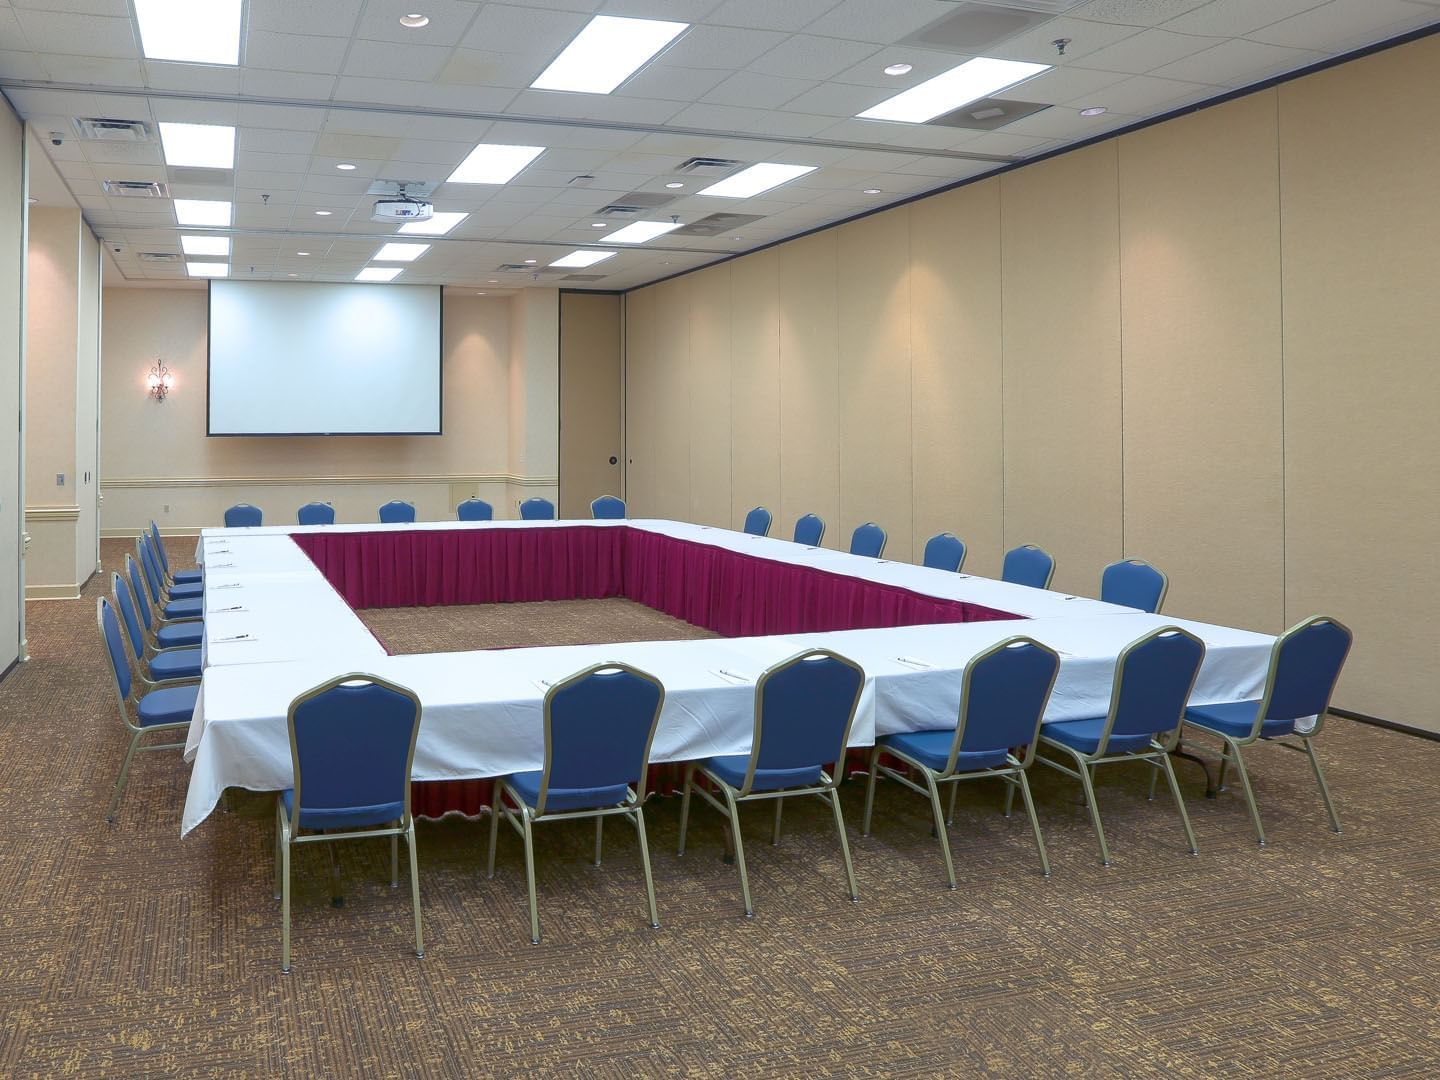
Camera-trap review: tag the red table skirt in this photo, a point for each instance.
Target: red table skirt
(731, 593)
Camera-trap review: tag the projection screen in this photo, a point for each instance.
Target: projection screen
(311, 358)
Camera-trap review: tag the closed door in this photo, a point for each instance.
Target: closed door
(591, 444)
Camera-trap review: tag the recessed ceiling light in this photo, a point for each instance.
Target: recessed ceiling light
(302, 253)
(599, 225)
(379, 273)
(393, 252)
(207, 269)
(755, 179)
(899, 69)
(479, 294)
(638, 232)
(675, 184)
(606, 53)
(205, 245)
(737, 238)
(440, 223)
(1094, 110)
(292, 275)
(199, 146)
(959, 86)
(207, 33)
(872, 191)
(322, 213)
(414, 21)
(494, 281)
(583, 258)
(531, 262)
(346, 166)
(202, 212)
(492, 163)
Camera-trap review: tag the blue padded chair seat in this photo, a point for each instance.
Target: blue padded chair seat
(1236, 719)
(180, 635)
(168, 706)
(348, 817)
(180, 664)
(527, 786)
(185, 609)
(932, 749)
(1084, 736)
(732, 769)
(187, 591)
(187, 577)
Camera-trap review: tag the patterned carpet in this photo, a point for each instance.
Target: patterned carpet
(125, 951)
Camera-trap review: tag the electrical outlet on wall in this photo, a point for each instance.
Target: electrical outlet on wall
(59, 479)
(166, 508)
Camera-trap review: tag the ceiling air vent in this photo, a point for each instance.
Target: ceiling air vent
(715, 224)
(707, 166)
(137, 189)
(987, 114)
(159, 257)
(109, 130)
(582, 277)
(974, 26)
(635, 202)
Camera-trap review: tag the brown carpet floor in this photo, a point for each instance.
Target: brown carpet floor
(125, 951)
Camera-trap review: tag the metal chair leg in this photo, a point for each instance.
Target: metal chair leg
(1010, 797)
(645, 865)
(394, 862)
(940, 830)
(415, 890)
(1320, 779)
(285, 902)
(599, 837)
(494, 830)
(530, 877)
(1089, 785)
(1034, 820)
(844, 846)
(1239, 760)
(870, 791)
(337, 898)
(1179, 802)
(739, 850)
(950, 816)
(277, 849)
(1154, 779)
(685, 808)
(775, 834)
(124, 776)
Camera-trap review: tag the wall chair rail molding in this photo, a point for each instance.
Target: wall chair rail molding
(122, 482)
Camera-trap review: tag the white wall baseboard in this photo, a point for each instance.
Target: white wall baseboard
(52, 592)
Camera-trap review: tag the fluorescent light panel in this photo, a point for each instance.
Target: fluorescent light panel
(959, 86)
(400, 252)
(606, 53)
(201, 146)
(202, 212)
(638, 232)
(583, 258)
(193, 31)
(207, 269)
(205, 245)
(380, 273)
(755, 179)
(440, 223)
(493, 163)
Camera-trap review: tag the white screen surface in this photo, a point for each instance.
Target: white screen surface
(302, 358)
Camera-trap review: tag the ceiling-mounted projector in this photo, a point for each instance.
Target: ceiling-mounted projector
(402, 210)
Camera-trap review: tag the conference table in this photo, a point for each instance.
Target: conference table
(280, 619)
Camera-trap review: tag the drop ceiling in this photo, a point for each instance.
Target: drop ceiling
(325, 82)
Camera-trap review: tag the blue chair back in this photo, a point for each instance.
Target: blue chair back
(1153, 679)
(243, 514)
(607, 507)
(160, 552)
(397, 510)
(537, 510)
(599, 725)
(810, 530)
(129, 617)
(114, 647)
(1134, 583)
(1003, 698)
(147, 563)
(1028, 565)
(804, 707)
(137, 584)
(316, 513)
(475, 510)
(352, 742)
(1305, 665)
(868, 539)
(944, 551)
(757, 522)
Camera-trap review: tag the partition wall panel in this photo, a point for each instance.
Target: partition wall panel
(709, 423)
(640, 402)
(672, 372)
(591, 382)
(1060, 272)
(12, 265)
(1200, 288)
(754, 384)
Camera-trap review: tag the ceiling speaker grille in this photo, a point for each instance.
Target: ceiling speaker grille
(110, 130)
(136, 189)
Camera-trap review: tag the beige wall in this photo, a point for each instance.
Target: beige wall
(590, 406)
(156, 454)
(1210, 343)
(12, 267)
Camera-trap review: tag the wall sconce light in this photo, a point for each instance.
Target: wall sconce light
(160, 380)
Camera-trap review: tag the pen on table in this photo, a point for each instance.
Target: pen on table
(732, 674)
(227, 585)
(234, 637)
(910, 660)
(235, 607)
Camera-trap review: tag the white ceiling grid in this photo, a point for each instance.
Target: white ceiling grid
(329, 81)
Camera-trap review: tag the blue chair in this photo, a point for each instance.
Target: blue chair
(804, 707)
(352, 743)
(1134, 583)
(397, 511)
(607, 508)
(757, 522)
(187, 605)
(475, 510)
(1028, 565)
(944, 551)
(1154, 676)
(175, 590)
(163, 666)
(172, 577)
(810, 530)
(243, 515)
(599, 724)
(868, 540)
(1305, 665)
(161, 633)
(537, 510)
(316, 513)
(165, 710)
(1002, 701)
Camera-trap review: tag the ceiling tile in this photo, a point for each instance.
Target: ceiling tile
(1147, 50)
(1344, 22)
(389, 60)
(758, 91)
(1136, 12)
(769, 15)
(721, 47)
(1236, 18)
(1238, 62)
(77, 34)
(330, 18)
(807, 57)
(295, 52)
(449, 20)
(866, 20)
